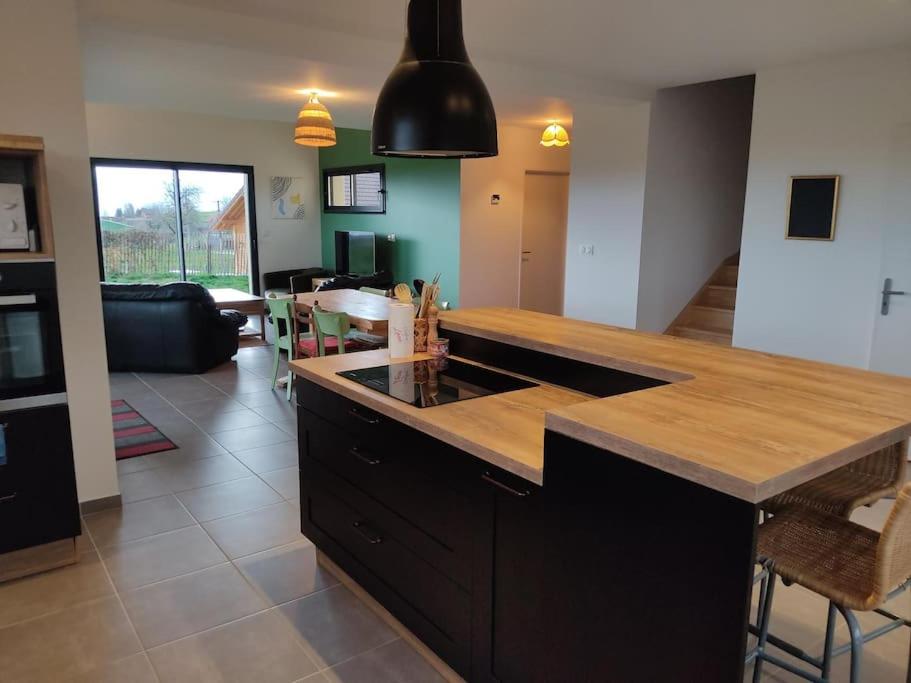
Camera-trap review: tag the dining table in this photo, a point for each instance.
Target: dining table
(367, 312)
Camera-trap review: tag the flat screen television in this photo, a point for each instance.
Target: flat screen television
(360, 253)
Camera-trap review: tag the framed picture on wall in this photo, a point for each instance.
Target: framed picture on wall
(812, 207)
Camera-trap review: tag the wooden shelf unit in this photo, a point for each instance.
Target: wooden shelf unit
(29, 150)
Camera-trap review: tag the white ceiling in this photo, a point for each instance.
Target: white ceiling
(247, 59)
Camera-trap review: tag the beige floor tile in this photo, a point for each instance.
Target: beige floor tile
(203, 409)
(251, 437)
(223, 422)
(286, 482)
(277, 411)
(261, 648)
(257, 530)
(66, 644)
(270, 458)
(289, 426)
(287, 573)
(133, 669)
(137, 520)
(41, 594)
(141, 485)
(230, 498)
(392, 663)
(183, 476)
(139, 563)
(334, 625)
(180, 607)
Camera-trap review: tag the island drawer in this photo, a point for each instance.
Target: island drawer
(430, 512)
(343, 524)
(349, 415)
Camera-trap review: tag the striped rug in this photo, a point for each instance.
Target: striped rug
(133, 435)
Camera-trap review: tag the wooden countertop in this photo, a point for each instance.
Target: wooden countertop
(506, 430)
(745, 423)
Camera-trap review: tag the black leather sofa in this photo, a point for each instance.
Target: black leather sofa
(279, 281)
(167, 328)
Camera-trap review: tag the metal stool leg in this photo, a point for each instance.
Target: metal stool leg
(830, 636)
(857, 642)
(765, 613)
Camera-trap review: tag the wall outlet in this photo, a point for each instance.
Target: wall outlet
(587, 249)
(494, 199)
(390, 238)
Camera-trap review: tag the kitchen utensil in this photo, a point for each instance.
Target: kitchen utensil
(403, 293)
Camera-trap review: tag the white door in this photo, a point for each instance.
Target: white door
(891, 351)
(544, 242)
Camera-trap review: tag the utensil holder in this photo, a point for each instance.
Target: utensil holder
(420, 334)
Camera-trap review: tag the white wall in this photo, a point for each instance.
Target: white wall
(698, 145)
(41, 83)
(819, 299)
(606, 192)
(133, 133)
(491, 236)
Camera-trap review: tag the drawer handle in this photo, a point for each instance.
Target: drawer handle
(9, 498)
(354, 412)
(364, 457)
(363, 530)
(500, 485)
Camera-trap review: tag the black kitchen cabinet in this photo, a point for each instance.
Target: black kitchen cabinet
(509, 582)
(38, 502)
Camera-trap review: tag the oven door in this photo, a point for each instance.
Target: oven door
(31, 354)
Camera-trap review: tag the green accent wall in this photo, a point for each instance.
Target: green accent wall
(422, 209)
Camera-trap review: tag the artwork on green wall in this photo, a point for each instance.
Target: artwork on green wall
(422, 211)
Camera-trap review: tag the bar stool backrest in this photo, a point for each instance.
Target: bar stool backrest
(893, 553)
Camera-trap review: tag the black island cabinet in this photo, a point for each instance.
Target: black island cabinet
(610, 571)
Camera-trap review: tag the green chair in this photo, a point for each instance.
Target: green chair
(282, 309)
(334, 325)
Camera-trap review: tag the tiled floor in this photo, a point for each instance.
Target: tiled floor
(203, 574)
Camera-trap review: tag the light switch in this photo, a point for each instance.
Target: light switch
(587, 249)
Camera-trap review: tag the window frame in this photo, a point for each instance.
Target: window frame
(353, 171)
(176, 167)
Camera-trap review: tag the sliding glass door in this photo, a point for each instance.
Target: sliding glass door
(162, 222)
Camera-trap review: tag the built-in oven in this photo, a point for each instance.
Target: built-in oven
(31, 351)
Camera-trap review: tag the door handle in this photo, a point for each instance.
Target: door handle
(354, 412)
(888, 293)
(8, 499)
(364, 530)
(504, 487)
(364, 457)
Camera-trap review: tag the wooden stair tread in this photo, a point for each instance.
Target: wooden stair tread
(710, 329)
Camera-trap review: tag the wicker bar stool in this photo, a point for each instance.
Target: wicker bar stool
(856, 568)
(876, 476)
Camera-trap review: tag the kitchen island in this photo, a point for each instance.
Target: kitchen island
(597, 527)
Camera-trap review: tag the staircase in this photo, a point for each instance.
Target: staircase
(709, 316)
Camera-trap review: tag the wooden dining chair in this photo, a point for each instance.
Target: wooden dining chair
(332, 335)
(282, 312)
(854, 567)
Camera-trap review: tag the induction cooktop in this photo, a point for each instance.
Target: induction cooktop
(428, 383)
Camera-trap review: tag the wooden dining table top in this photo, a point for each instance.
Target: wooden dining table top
(366, 312)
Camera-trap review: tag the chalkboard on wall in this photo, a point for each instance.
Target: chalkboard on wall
(812, 207)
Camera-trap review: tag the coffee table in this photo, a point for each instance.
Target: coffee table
(248, 304)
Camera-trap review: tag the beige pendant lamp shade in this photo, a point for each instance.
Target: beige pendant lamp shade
(314, 125)
(555, 135)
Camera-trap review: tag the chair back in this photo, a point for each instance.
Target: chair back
(282, 309)
(374, 290)
(893, 553)
(888, 465)
(330, 325)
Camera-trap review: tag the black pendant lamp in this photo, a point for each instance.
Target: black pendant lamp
(434, 103)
